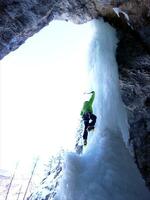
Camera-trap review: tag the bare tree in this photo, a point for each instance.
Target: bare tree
(11, 181)
(19, 192)
(32, 173)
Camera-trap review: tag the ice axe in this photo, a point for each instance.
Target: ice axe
(88, 92)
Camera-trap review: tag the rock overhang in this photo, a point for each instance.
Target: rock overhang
(20, 19)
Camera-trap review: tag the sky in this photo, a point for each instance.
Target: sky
(42, 85)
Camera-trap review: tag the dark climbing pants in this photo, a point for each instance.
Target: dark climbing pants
(87, 117)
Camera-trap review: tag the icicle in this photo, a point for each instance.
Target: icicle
(118, 10)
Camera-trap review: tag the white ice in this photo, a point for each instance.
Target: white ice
(106, 170)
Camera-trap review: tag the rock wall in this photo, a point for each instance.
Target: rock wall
(20, 19)
(134, 70)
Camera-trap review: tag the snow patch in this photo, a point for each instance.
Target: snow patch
(118, 10)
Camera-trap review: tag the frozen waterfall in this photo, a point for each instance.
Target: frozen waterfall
(105, 171)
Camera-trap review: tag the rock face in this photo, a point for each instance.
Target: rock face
(20, 19)
(134, 70)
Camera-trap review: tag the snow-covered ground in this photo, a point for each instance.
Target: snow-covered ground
(106, 170)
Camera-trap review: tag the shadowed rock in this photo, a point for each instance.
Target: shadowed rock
(20, 19)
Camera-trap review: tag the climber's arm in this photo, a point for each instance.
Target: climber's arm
(92, 98)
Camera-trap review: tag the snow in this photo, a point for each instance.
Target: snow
(118, 10)
(106, 170)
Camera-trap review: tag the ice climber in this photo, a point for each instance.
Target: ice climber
(88, 117)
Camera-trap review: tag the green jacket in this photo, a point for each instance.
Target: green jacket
(87, 106)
